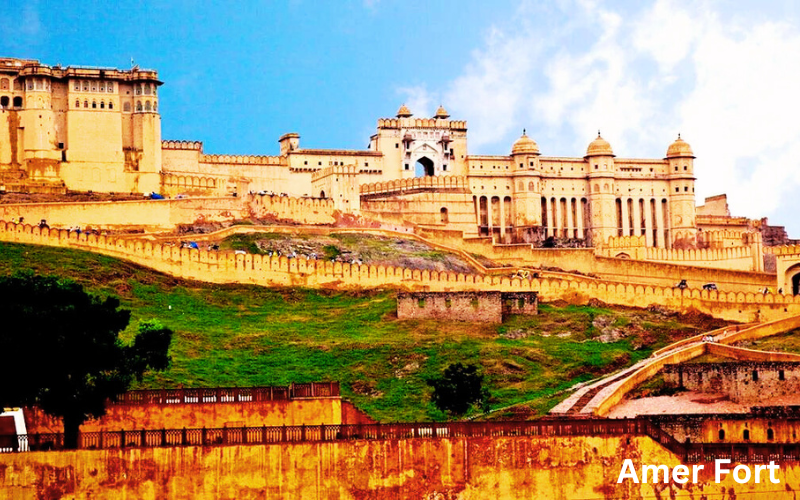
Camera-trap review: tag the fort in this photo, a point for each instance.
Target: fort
(533, 228)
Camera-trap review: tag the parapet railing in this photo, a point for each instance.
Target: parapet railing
(150, 438)
(229, 394)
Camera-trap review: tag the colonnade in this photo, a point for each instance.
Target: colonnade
(564, 217)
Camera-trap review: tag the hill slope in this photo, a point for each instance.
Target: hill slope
(241, 335)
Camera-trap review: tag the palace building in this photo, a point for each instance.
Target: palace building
(83, 128)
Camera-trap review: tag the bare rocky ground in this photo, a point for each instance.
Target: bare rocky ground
(8, 198)
(348, 248)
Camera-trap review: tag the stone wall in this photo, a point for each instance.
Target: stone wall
(485, 307)
(743, 382)
(311, 411)
(167, 214)
(765, 425)
(457, 468)
(228, 267)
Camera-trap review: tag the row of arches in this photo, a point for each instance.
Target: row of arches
(145, 88)
(93, 86)
(565, 217)
(644, 216)
(94, 104)
(745, 435)
(183, 181)
(6, 84)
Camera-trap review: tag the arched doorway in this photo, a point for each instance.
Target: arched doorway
(792, 278)
(424, 167)
(322, 194)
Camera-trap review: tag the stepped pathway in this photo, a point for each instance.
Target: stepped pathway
(585, 400)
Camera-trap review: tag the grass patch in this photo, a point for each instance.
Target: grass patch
(243, 335)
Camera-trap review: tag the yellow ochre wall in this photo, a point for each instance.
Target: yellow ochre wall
(565, 468)
(311, 411)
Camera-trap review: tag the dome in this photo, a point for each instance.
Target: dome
(441, 113)
(403, 112)
(599, 147)
(679, 149)
(525, 145)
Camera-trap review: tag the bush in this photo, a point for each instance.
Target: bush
(458, 389)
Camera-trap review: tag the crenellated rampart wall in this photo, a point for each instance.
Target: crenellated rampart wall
(228, 267)
(403, 185)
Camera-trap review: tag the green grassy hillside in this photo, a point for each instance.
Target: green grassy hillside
(246, 335)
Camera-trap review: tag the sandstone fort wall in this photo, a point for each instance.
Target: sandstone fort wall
(224, 267)
(743, 381)
(558, 468)
(166, 214)
(194, 416)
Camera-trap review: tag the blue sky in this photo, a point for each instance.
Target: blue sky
(724, 74)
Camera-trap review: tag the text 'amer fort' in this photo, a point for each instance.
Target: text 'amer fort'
(622, 231)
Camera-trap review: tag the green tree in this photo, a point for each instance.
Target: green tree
(61, 349)
(458, 389)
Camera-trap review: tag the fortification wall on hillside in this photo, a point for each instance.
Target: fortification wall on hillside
(741, 258)
(166, 214)
(228, 267)
(122, 215)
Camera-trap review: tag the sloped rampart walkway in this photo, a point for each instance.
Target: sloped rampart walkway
(597, 399)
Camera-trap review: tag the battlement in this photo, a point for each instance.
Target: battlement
(446, 182)
(31, 67)
(185, 145)
(626, 242)
(634, 247)
(244, 159)
(783, 250)
(229, 267)
(397, 123)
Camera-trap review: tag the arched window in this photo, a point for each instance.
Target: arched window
(139, 106)
(155, 106)
(147, 89)
(4, 101)
(126, 107)
(77, 103)
(86, 86)
(746, 435)
(94, 104)
(18, 102)
(770, 434)
(110, 87)
(445, 218)
(722, 434)
(102, 104)
(86, 104)
(138, 90)
(110, 105)
(530, 186)
(4, 83)
(147, 106)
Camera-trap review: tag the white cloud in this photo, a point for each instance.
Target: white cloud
(492, 88)
(725, 80)
(418, 100)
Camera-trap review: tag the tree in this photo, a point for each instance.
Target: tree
(61, 349)
(460, 387)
